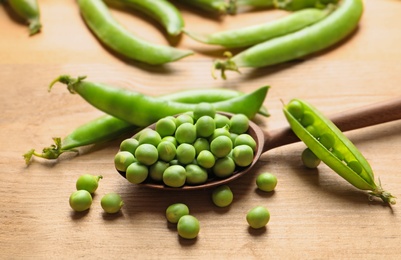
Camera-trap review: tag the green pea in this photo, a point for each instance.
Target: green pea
(245, 139)
(221, 121)
(239, 123)
(206, 159)
(266, 182)
(204, 109)
(137, 173)
(88, 182)
(327, 140)
(307, 119)
(185, 153)
(195, 174)
(296, 109)
(146, 154)
(170, 139)
(258, 217)
(174, 176)
(221, 146)
(312, 130)
(167, 151)
(157, 169)
(175, 211)
(220, 131)
(242, 155)
(205, 126)
(129, 145)
(201, 144)
(224, 167)
(183, 118)
(150, 137)
(111, 203)
(186, 133)
(309, 159)
(233, 136)
(80, 200)
(222, 196)
(188, 227)
(355, 166)
(165, 126)
(123, 159)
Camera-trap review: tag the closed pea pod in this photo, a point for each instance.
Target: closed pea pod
(353, 167)
(323, 34)
(118, 38)
(142, 110)
(28, 10)
(162, 11)
(258, 33)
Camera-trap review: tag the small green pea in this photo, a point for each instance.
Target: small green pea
(312, 130)
(206, 159)
(157, 169)
(222, 196)
(220, 131)
(296, 109)
(150, 137)
(188, 227)
(175, 211)
(165, 126)
(266, 182)
(183, 118)
(129, 145)
(309, 159)
(355, 166)
(205, 126)
(258, 217)
(224, 167)
(239, 123)
(221, 146)
(186, 133)
(88, 182)
(307, 119)
(221, 121)
(111, 203)
(327, 140)
(80, 200)
(170, 139)
(167, 151)
(195, 174)
(174, 176)
(123, 159)
(242, 155)
(186, 153)
(204, 109)
(201, 144)
(137, 173)
(146, 154)
(245, 139)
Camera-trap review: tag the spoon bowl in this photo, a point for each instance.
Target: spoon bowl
(370, 115)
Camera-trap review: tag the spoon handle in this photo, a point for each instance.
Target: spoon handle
(369, 115)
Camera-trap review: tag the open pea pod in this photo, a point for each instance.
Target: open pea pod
(331, 146)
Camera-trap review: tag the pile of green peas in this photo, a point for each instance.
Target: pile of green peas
(188, 149)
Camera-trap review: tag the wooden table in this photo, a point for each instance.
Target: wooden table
(315, 214)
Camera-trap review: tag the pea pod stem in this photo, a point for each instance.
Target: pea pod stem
(162, 11)
(321, 35)
(142, 110)
(28, 10)
(251, 35)
(110, 32)
(333, 148)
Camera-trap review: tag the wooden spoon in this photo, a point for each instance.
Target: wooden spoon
(353, 119)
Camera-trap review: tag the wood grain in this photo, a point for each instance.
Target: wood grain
(314, 213)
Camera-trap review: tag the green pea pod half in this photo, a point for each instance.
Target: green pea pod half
(254, 34)
(162, 11)
(28, 10)
(110, 32)
(331, 146)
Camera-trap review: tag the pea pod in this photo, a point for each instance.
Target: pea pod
(321, 35)
(142, 110)
(294, 5)
(106, 128)
(215, 6)
(332, 147)
(28, 10)
(258, 33)
(162, 11)
(122, 41)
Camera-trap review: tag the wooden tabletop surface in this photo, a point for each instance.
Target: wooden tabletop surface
(315, 214)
